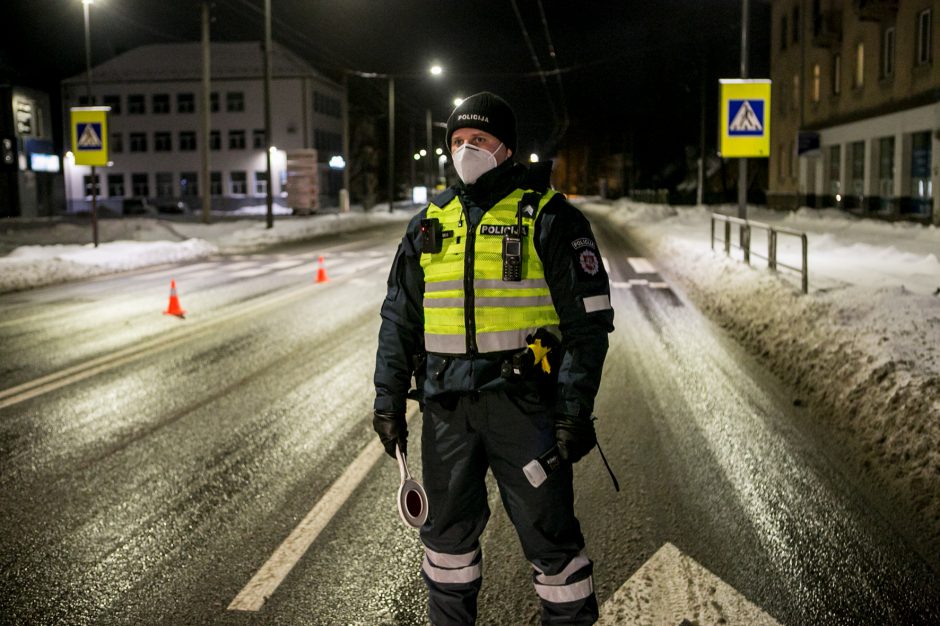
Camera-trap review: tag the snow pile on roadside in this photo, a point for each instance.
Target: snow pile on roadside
(864, 353)
(132, 243)
(34, 266)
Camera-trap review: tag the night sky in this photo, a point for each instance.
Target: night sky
(624, 74)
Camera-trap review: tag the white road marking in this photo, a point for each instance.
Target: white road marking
(671, 588)
(642, 282)
(659, 285)
(280, 265)
(234, 267)
(641, 265)
(620, 284)
(302, 269)
(267, 579)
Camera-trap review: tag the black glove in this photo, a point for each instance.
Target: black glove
(392, 429)
(575, 436)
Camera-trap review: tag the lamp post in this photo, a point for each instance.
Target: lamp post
(94, 177)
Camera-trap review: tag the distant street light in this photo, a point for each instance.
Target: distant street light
(436, 70)
(458, 101)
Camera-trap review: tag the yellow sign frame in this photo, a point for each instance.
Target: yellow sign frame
(98, 117)
(746, 140)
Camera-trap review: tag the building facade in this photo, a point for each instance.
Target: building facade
(856, 115)
(155, 136)
(30, 179)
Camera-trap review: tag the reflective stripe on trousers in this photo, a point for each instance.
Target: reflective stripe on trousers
(452, 568)
(556, 589)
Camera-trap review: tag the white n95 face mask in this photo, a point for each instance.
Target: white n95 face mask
(472, 162)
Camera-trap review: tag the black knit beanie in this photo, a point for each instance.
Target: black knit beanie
(488, 112)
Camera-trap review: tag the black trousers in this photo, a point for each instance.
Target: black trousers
(461, 439)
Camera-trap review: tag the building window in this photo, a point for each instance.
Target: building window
(187, 140)
(836, 74)
(185, 103)
(138, 142)
(257, 139)
(923, 37)
(261, 183)
(85, 101)
(88, 185)
(860, 64)
(887, 52)
(215, 183)
(162, 142)
(116, 185)
(139, 185)
(326, 105)
(214, 102)
(921, 186)
(796, 92)
(114, 102)
(161, 103)
(835, 171)
(856, 186)
(116, 143)
(234, 101)
(817, 80)
(136, 104)
(885, 169)
(215, 140)
(236, 140)
(796, 24)
(783, 33)
(189, 184)
(164, 185)
(239, 182)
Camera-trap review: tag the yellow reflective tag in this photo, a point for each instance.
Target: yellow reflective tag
(540, 353)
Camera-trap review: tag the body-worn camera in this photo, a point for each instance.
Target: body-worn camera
(432, 236)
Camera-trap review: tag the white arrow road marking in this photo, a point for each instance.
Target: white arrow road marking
(267, 579)
(672, 588)
(641, 265)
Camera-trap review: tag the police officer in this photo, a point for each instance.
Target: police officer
(498, 305)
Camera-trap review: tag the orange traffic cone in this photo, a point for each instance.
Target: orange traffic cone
(174, 307)
(321, 273)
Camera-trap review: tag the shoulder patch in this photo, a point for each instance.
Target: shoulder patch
(583, 242)
(589, 262)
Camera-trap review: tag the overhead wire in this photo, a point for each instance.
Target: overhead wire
(565, 121)
(538, 68)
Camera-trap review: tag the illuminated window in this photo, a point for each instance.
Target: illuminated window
(860, 64)
(817, 78)
(261, 183)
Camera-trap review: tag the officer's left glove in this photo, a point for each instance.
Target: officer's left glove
(392, 429)
(575, 436)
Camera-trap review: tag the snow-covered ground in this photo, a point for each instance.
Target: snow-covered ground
(862, 348)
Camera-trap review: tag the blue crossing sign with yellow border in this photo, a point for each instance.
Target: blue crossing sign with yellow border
(90, 135)
(744, 118)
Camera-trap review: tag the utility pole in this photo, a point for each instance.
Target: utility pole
(344, 194)
(94, 175)
(206, 100)
(429, 174)
(742, 162)
(269, 197)
(391, 143)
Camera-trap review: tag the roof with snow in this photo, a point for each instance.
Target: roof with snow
(183, 61)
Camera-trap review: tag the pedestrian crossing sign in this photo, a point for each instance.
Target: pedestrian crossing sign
(744, 118)
(90, 135)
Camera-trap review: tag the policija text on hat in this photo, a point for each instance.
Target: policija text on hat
(498, 307)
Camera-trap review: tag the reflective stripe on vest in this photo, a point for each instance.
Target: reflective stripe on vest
(503, 313)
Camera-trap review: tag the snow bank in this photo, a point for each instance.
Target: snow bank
(864, 350)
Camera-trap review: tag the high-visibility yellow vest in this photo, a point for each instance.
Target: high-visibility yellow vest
(468, 307)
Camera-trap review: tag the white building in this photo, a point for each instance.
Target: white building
(155, 95)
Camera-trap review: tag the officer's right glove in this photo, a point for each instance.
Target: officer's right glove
(574, 435)
(392, 429)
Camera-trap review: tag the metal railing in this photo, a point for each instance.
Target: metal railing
(744, 230)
